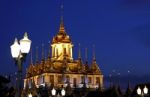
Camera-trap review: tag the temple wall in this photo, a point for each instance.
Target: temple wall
(49, 78)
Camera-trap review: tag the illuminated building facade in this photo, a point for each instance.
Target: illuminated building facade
(60, 69)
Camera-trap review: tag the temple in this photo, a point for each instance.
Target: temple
(59, 69)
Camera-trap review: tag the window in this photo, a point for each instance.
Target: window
(89, 80)
(74, 82)
(67, 79)
(64, 51)
(82, 79)
(97, 80)
(40, 80)
(59, 78)
(52, 79)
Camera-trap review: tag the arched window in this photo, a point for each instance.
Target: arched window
(52, 79)
(65, 51)
(67, 79)
(59, 78)
(74, 82)
(97, 80)
(89, 80)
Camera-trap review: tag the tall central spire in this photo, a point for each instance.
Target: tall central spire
(61, 36)
(61, 43)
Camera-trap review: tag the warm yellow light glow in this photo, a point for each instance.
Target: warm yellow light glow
(15, 49)
(59, 49)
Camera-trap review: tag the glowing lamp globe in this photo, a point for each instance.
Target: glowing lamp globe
(139, 91)
(145, 90)
(53, 92)
(25, 44)
(15, 49)
(30, 95)
(63, 92)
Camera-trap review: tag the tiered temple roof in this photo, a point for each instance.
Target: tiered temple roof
(48, 66)
(63, 65)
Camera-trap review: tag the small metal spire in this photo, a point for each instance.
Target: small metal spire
(86, 57)
(94, 58)
(31, 60)
(37, 54)
(61, 10)
(79, 54)
(42, 51)
(45, 53)
(49, 54)
(49, 50)
(61, 29)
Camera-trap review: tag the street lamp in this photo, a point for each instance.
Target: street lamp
(29, 95)
(142, 92)
(63, 92)
(53, 92)
(19, 53)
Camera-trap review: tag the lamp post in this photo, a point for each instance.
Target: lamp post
(63, 92)
(142, 92)
(19, 53)
(118, 78)
(110, 80)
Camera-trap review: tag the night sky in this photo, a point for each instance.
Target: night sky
(119, 29)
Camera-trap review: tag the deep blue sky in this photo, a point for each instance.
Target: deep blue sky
(120, 30)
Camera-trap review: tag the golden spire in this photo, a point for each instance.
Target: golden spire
(37, 54)
(95, 67)
(94, 58)
(61, 35)
(79, 60)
